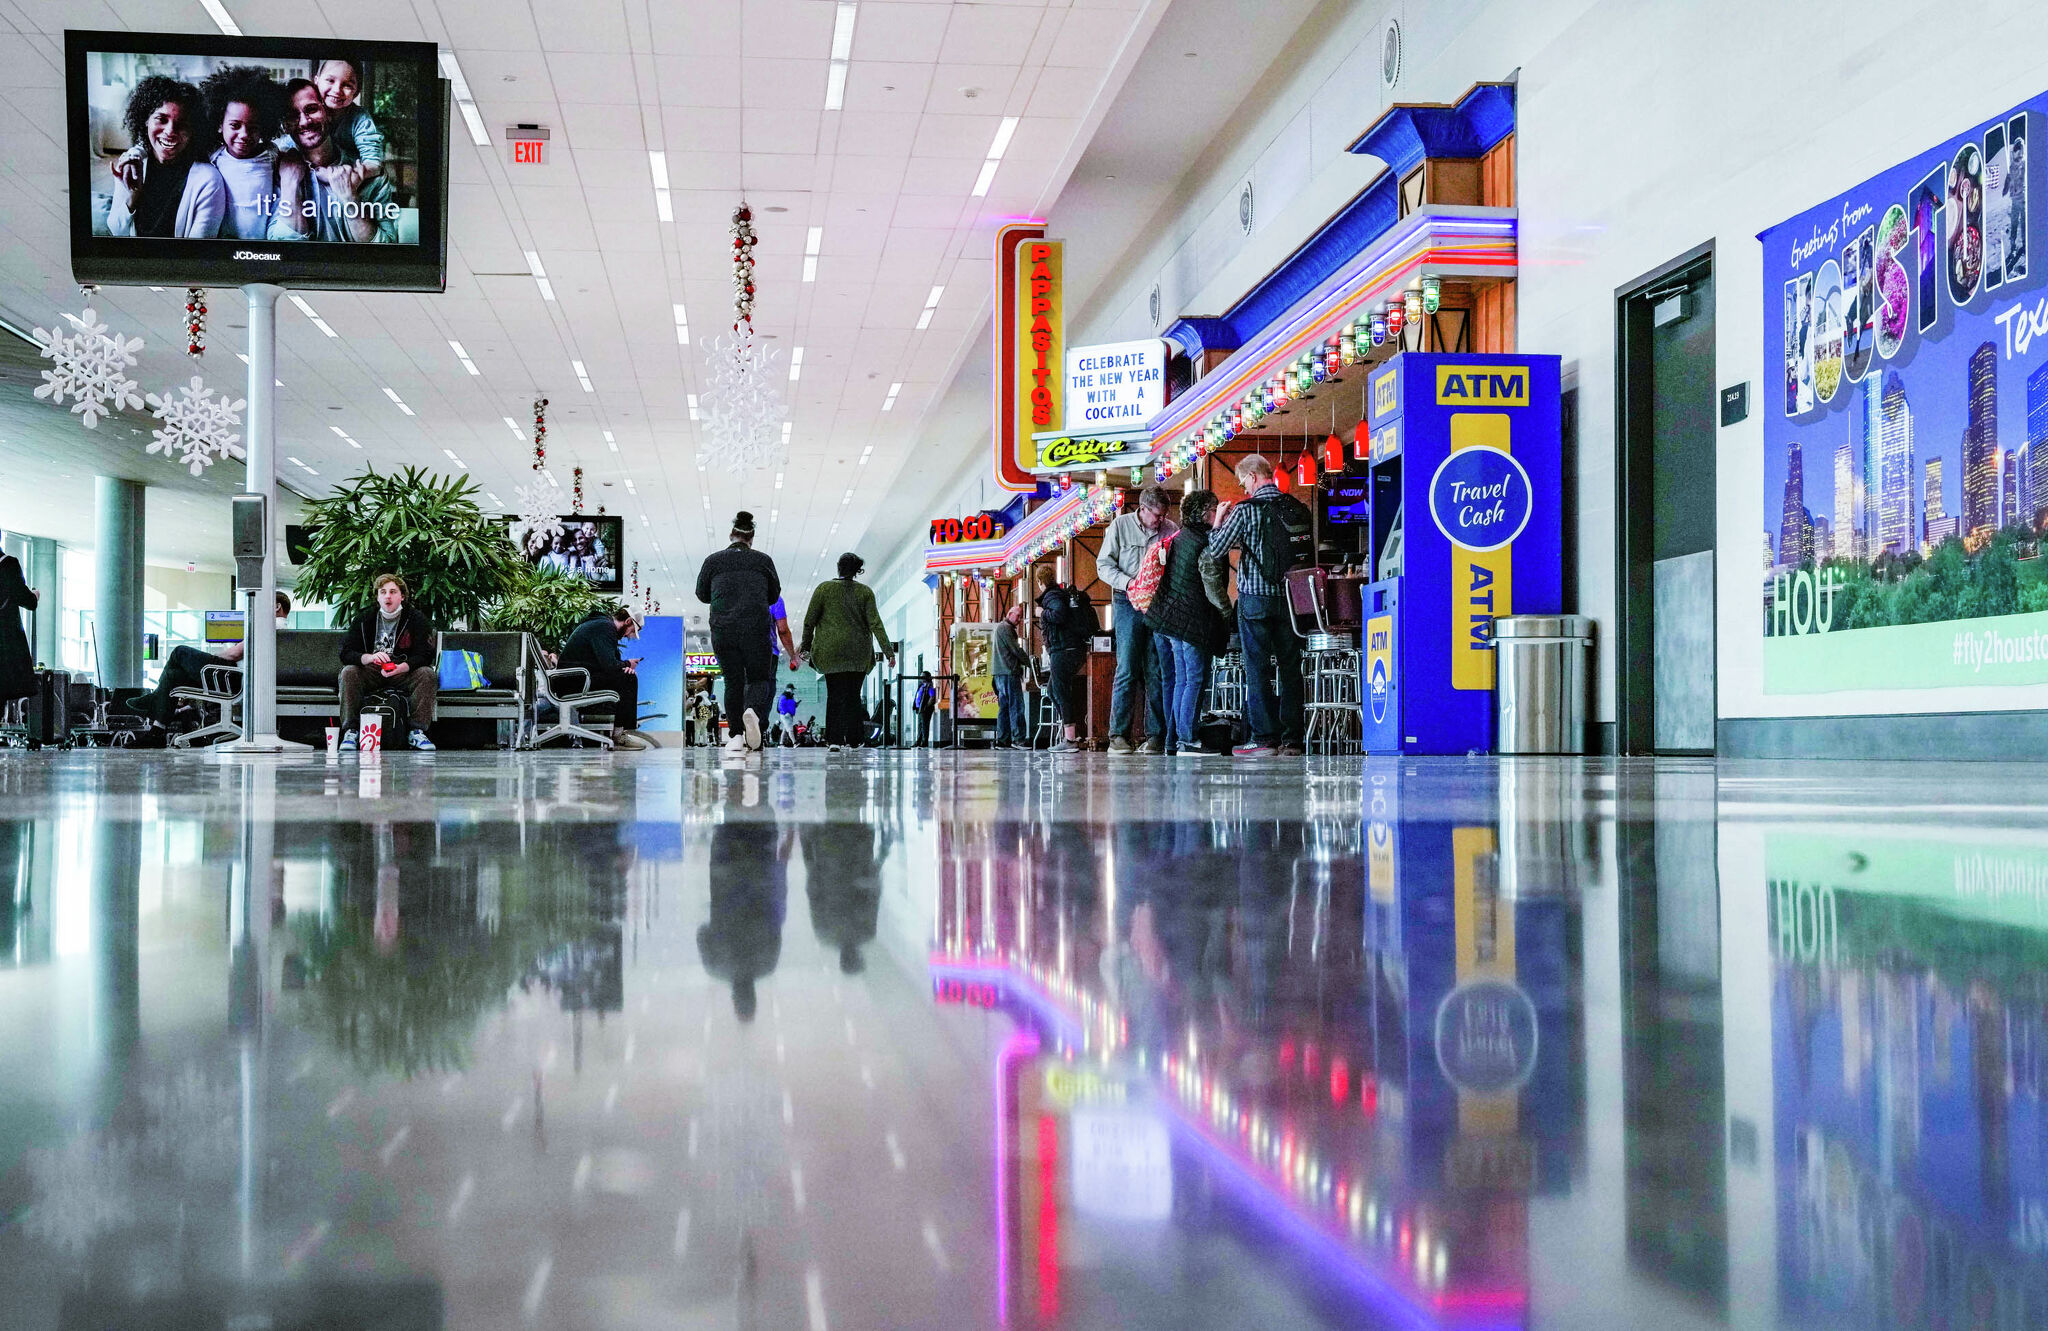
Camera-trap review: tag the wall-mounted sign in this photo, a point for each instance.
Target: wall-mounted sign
(1091, 452)
(951, 531)
(1479, 498)
(700, 663)
(1905, 481)
(1011, 426)
(1041, 315)
(1115, 386)
(528, 144)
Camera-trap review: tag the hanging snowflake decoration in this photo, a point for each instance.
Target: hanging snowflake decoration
(536, 515)
(742, 406)
(91, 368)
(197, 426)
(195, 321)
(577, 494)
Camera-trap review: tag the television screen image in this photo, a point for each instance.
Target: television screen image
(589, 547)
(300, 161)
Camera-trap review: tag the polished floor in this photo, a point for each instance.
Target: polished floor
(977, 1040)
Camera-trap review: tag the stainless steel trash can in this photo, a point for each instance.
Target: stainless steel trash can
(1540, 670)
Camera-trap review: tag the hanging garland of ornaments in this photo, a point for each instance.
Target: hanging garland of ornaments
(742, 404)
(633, 589)
(576, 494)
(195, 321)
(540, 433)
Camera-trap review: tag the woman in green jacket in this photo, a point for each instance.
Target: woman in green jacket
(838, 624)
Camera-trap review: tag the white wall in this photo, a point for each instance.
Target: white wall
(1644, 129)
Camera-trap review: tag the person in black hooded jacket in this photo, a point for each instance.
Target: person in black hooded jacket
(1070, 622)
(1191, 631)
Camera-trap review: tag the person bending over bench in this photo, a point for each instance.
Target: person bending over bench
(390, 646)
(183, 671)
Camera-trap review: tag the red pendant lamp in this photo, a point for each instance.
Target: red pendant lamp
(1283, 480)
(1333, 453)
(1305, 470)
(1361, 440)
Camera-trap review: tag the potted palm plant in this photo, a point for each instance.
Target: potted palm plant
(548, 603)
(424, 527)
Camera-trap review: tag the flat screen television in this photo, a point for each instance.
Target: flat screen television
(217, 161)
(591, 547)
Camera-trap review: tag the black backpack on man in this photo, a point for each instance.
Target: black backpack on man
(1290, 536)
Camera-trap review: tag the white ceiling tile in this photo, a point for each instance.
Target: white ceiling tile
(588, 125)
(882, 133)
(1062, 91)
(703, 171)
(886, 85)
(779, 171)
(709, 28)
(992, 34)
(588, 76)
(950, 176)
(700, 129)
(783, 85)
(955, 136)
(1090, 38)
(581, 27)
(791, 131)
(962, 90)
(888, 31)
(794, 28)
(696, 81)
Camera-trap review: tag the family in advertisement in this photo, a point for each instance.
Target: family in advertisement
(1906, 458)
(210, 147)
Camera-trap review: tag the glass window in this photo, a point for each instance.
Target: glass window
(74, 623)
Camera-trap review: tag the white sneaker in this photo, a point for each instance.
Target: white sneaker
(737, 744)
(753, 724)
(831, 748)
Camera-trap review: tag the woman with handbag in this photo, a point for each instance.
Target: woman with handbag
(1191, 631)
(838, 625)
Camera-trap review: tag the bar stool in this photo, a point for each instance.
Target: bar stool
(1330, 664)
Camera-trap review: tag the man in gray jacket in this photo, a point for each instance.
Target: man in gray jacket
(1012, 663)
(1137, 666)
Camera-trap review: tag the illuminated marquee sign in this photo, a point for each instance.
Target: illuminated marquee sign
(1118, 385)
(700, 663)
(951, 531)
(1040, 390)
(1027, 268)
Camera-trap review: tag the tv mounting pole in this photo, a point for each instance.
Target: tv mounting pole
(259, 593)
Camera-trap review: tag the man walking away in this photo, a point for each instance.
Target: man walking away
(1266, 529)
(1013, 730)
(1137, 667)
(785, 716)
(739, 583)
(594, 646)
(924, 704)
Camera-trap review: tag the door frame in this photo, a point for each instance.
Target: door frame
(1635, 507)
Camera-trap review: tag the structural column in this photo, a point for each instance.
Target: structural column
(45, 569)
(117, 579)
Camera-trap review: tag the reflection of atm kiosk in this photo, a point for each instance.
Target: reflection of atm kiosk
(1466, 525)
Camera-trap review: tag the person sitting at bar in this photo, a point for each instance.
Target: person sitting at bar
(183, 671)
(594, 646)
(390, 646)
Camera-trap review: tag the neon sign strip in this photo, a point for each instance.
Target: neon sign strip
(994, 554)
(1468, 242)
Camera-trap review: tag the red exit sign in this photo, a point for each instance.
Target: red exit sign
(529, 144)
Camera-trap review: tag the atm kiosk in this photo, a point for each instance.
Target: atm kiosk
(1465, 524)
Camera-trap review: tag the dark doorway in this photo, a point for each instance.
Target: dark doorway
(1665, 509)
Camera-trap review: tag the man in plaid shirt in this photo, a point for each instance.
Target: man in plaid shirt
(1265, 633)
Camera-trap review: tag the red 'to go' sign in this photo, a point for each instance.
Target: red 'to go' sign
(980, 527)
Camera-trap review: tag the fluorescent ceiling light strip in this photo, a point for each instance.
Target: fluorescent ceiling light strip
(796, 363)
(693, 416)
(398, 402)
(814, 240)
(657, 162)
(842, 30)
(986, 178)
(924, 320)
(513, 426)
(226, 24)
(452, 71)
(463, 356)
(835, 86)
(478, 135)
(610, 442)
(1001, 144)
(582, 375)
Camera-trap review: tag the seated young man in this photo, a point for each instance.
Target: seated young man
(182, 671)
(594, 646)
(390, 645)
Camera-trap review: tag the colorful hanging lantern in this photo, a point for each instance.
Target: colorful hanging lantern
(1333, 453)
(1347, 347)
(1361, 440)
(1379, 330)
(1305, 470)
(1432, 294)
(1283, 480)
(1397, 317)
(1411, 301)
(1318, 365)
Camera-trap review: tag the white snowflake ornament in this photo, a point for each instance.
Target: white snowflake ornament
(536, 514)
(197, 426)
(90, 368)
